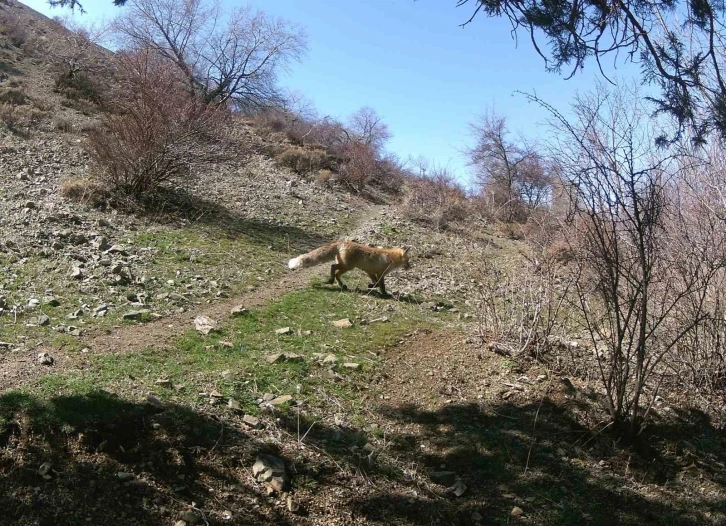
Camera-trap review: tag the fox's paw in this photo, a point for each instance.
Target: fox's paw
(371, 285)
(344, 288)
(330, 281)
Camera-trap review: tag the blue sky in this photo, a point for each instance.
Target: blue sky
(413, 63)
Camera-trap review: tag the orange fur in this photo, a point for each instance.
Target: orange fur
(376, 262)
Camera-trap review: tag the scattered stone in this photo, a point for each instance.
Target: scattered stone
(228, 375)
(292, 506)
(284, 357)
(517, 512)
(45, 359)
(116, 249)
(251, 421)
(284, 330)
(45, 469)
(136, 314)
(281, 400)
(190, 517)
(123, 476)
(239, 310)
(163, 382)
(343, 324)
(204, 324)
(443, 478)
(352, 366)
(180, 523)
(77, 273)
(233, 404)
(270, 470)
(33, 302)
(43, 321)
(154, 401)
(459, 488)
(330, 359)
(476, 516)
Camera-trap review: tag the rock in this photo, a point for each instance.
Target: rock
(77, 273)
(239, 310)
(190, 517)
(251, 421)
(352, 366)
(443, 478)
(45, 359)
(292, 506)
(517, 512)
(270, 470)
(33, 302)
(45, 469)
(281, 400)
(136, 314)
(284, 357)
(123, 476)
(330, 359)
(343, 324)
(459, 488)
(204, 324)
(154, 401)
(180, 523)
(284, 330)
(43, 321)
(476, 516)
(116, 249)
(233, 404)
(163, 382)
(228, 375)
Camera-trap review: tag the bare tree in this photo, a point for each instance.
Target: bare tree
(76, 50)
(233, 57)
(511, 174)
(636, 271)
(368, 128)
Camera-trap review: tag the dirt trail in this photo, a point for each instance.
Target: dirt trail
(17, 369)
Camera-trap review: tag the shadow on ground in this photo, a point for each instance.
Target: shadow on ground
(556, 472)
(175, 457)
(178, 204)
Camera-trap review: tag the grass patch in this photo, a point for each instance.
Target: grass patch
(240, 349)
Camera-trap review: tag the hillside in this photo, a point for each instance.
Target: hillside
(118, 405)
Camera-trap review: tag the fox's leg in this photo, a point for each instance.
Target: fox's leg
(382, 286)
(339, 273)
(333, 268)
(374, 281)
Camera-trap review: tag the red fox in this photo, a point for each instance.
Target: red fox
(376, 262)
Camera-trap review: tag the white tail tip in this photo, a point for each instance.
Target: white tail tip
(294, 263)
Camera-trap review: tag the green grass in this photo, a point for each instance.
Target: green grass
(196, 363)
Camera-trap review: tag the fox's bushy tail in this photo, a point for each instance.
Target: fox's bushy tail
(316, 257)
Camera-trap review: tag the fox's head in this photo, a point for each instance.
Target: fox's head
(405, 263)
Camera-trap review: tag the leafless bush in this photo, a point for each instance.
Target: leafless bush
(12, 26)
(303, 160)
(435, 199)
(641, 279)
(524, 307)
(158, 131)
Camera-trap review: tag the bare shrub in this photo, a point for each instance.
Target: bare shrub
(303, 160)
(85, 191)
(524, 306)
(435, 199)
(324, 177)
(158, 131)
(15, 97)
(641, 280)
(12, 26)
(17, 118)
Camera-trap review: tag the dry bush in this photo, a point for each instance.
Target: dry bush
(15, 97)
(80, 87)
(85, 191)
(158, 132)
(14, 28)
(303, 160)
(16, 118)
(324, 177)
(63, 124)
(524, 307)
(436, 199)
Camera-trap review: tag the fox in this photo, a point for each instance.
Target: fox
(377, 262)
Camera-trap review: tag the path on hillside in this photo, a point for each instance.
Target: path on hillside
(16, 370)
